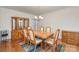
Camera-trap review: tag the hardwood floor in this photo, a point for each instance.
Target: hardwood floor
(9, 46)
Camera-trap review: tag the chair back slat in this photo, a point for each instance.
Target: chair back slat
(56, 37)
(25, 33)
(29, 28)
(42, 29)
(31, 34)
(58, 34)
(48, 29)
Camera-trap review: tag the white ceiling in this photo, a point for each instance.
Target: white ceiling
(37, 10)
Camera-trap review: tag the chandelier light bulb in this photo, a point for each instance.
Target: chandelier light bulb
(40, 17)
(36, 17)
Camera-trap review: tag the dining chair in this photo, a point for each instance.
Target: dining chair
(48, 29)
(53, 41)
(25, 33)
(42, 29)
(21, 39)
(29, 28)
(59, 37)
(33, 40)
(26, 37)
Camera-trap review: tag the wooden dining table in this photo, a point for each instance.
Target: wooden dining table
(43, 35)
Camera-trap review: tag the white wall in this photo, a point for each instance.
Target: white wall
(5, 18)
(66, 19)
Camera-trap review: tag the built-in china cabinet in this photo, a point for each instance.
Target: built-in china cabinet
(18, 24)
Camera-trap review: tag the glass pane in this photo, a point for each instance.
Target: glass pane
(20, 23)
(34, 25)
(25, 23)
(14, 24)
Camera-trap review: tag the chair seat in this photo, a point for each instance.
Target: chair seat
(38, 41)
(50, 41)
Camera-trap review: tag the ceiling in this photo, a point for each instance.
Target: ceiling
(37, 10)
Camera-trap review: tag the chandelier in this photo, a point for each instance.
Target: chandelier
(39, 17)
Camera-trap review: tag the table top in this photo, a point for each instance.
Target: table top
(43, 35)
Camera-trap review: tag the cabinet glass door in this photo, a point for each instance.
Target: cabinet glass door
(25, 23)
(14, 24)
(20, 23)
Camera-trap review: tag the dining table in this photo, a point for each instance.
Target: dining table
(43, 35)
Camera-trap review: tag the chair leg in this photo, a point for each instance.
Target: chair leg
(34, 48)
(53, 48)
(45, 44)
(41, 45)
(56, 47)
(30, 43)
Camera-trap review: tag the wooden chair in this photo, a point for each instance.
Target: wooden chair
(59, 38)
(42, 29)
(53, 41)
(34, 40)
(25, 33)
(23, 36)
(29, 28)
(26, 37)
(48, 29)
